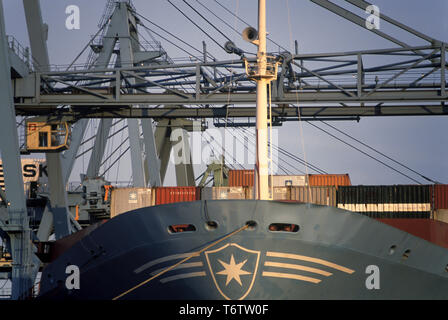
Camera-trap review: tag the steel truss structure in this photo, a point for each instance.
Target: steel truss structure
(342, 85)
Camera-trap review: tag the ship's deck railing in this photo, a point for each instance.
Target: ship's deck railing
(76, 186)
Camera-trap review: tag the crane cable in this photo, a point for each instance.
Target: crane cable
(295, 158)
(171, 34)
(219, 31)
(317, 127)
(365, 153)
(175, 37)
(228, 101)
(379, 152)
(253, 143)
(249, 139)
(212, 148)
(194, 254)
(209, 36)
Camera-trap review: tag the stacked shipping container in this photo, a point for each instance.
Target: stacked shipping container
(334, 180)
(318, 195)
(398, 201)
(440, 196)
(280, 193)
(165, 195)
(289, 181)
(241, 178)
(33, 171)
(220, 193)
(439, 202)
(127, 199)
(245, 178)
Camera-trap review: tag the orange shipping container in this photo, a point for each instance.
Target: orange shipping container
(241, 178)
(166, 195)
(329, 180)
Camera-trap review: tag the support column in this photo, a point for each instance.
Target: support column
(104, 57)
(25, 263)
(98, 148)
(182, 154)
(127, 49)
(58, 196)
(37, 33)
(69, 156)
(443, 70)
(163, 146)
(152, 162)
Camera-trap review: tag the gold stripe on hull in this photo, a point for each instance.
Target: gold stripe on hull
(290, 276)
(297, 267)
(310, 259)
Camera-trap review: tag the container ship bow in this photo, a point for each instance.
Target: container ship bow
(248, 249)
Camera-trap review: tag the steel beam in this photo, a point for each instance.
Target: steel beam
(108, 44)
(46, 225)
(182, 154)
(99, 147)
(284, 110)
(128, 46)
(25, 264)
(188, 84)
(76, 100)
(364, 4)
(152, 168)
(38, 33)
(69, 156)
(346, 14)
(163, 145)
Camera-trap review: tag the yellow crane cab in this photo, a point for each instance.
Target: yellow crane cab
(47, 136)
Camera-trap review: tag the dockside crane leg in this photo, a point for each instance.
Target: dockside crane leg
(26, 264)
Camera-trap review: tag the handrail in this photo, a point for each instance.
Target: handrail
(22, 52)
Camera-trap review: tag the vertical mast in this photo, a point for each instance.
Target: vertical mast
(261, 187)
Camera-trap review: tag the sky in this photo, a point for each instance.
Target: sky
(420, 143)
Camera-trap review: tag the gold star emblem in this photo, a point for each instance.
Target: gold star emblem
(233, 270)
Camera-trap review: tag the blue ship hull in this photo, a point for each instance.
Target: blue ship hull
(335, 254)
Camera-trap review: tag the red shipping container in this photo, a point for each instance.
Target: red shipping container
(166, 195)
(327, 180)
(439, 198)
(430, 230)
(241, 178)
